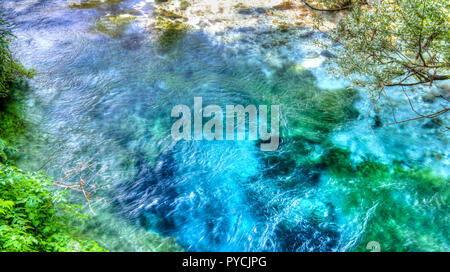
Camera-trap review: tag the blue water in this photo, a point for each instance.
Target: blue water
(101, 109)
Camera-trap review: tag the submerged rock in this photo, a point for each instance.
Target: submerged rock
(260, 10)
(250, 11)
(245, 11)
(431, 97)
(246, 29)
(114, 25)
(285, 5)
(434, 123)
(95, 4)
(132, 42)
(327, 54)
(445, 87)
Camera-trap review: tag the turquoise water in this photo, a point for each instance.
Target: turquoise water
(100, 109)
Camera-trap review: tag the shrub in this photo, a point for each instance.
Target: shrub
(32, 216)
(35, 218)
(10, 69)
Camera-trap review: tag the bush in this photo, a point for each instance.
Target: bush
(10, 69)
(34, 218)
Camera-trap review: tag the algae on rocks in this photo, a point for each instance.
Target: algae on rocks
(114, 25)
(170, 28)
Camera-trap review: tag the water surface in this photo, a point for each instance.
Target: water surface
(100, 109)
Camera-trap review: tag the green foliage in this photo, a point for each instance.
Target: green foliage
(395, 42)
(404, 42)
(3, 156)
(12, 87)
(34, 218)
(5, 151)
(12, 75)
(383, 44)
(11, 125)
(10, 69)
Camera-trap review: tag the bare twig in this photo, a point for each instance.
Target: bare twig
(81, 186)
(431, 116)
(86, 194)
(48, 160)
(410, 103)
(392, 106)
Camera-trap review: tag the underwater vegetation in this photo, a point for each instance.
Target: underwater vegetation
(35, 218)
(170, 32)
(170, 27)
(116, 234)
(313, 113)
(90, 4)
(405, 208)
(114, 25)
(114, 20)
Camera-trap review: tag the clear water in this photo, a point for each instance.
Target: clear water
(100, 109)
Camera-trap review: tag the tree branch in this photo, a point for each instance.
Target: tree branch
(428, 79)
(433, 115)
